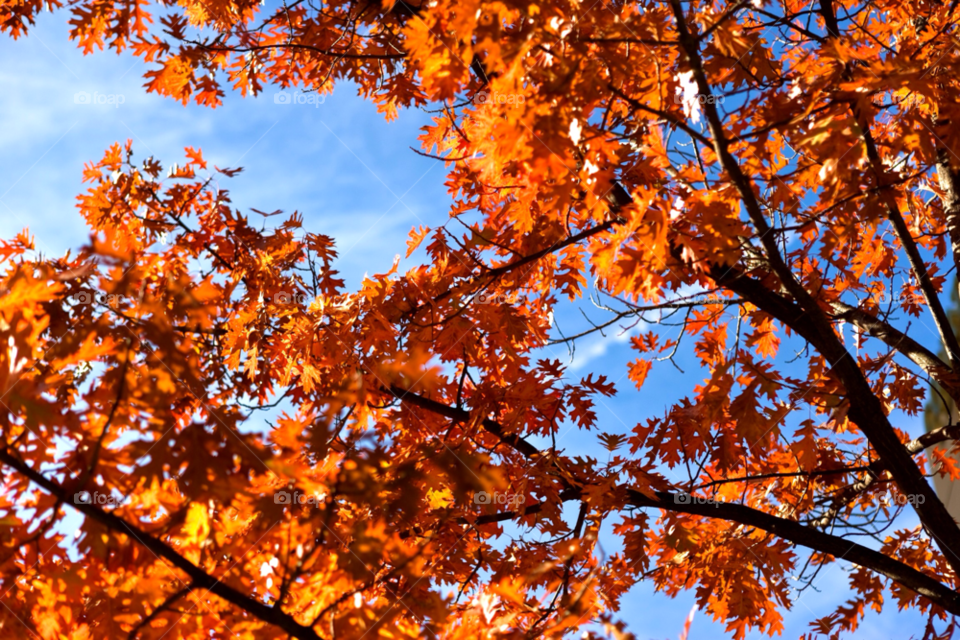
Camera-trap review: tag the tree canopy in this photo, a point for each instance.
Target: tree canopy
(772, 187)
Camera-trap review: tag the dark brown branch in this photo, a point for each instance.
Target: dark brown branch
(807, 537)
(617, 198)
(807, 318)
(200, 578)
(639, 311)
(644, 41)
(876, 468)
(865, 408)
(721, 146)
(792, 474)
(98, 447)
(160, 609)
(950, 185)
(509, 439)
(789, 530)
(294, 45)
(672, 118)
(895, 339)
(917, 265)
(208, 332)
(844, 496)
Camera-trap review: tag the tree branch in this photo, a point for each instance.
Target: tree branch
(509, 439)
(160, 609)
(789, 530)
(917, 265)
(617, 198)
(950, 185)
(200, 578)
(895, 339)
(865, 408)
(807, 537)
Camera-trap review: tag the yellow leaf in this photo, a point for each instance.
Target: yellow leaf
(442, 499)
(197, 525)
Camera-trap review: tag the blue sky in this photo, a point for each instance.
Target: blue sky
(352, 175)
